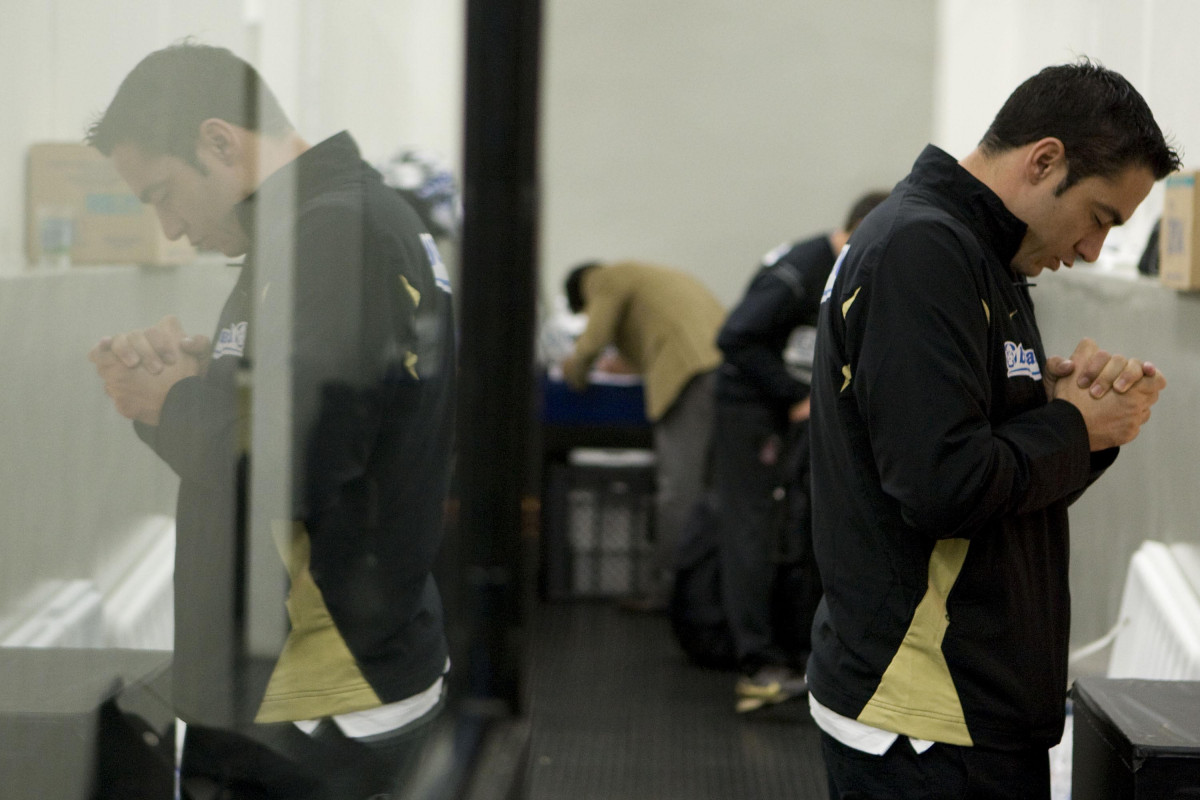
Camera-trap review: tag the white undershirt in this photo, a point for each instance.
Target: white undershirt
(857, 735)
(382, 719)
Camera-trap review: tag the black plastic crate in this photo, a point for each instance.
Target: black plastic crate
(600, 534)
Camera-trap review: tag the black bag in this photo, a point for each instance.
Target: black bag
(696, 614)
(133, 760)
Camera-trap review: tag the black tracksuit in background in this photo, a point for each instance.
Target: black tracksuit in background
(768, 608)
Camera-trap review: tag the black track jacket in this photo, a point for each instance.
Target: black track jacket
(372, 352)
(784, 293)
(941, 477)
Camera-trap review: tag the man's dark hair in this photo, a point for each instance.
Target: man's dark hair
(574, 285)
(1102, 121)
(862, 206)
(161, 103)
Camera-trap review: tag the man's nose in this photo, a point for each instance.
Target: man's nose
(172, 224)
(1089, 246)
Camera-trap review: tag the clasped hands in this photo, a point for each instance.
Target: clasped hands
(1115, 417)
(139, 368)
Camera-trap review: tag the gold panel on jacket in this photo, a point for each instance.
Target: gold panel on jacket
(916, 695)
(316, 674)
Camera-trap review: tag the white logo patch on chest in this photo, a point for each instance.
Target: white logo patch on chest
(231, 341)
(1021, 361)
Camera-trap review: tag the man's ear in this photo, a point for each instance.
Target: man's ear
(1046, 157)
(220, 139)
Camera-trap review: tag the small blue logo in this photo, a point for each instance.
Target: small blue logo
(1021, 361)
(231, 341)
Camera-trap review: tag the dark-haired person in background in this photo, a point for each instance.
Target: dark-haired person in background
(759, 432)
(946, 448)
(664, 323)
(197, 134)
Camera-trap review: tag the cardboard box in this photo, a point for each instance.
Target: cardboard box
(1178, 241)
(80, 211)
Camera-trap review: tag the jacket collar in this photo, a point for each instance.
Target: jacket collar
(963, 195)
(313, 171)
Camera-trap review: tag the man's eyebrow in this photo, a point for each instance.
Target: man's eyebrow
(149, 191)
(1117, 219)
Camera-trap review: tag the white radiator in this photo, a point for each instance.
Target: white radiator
(139, 606)
(129, 604)
(57, 613)
(1158, 628)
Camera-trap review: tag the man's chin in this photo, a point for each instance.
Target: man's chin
(1028, 269)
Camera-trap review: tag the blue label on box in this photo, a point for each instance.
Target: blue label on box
(57, 234)
(113, 204)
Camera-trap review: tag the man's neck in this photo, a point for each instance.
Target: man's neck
(272, 154)
(1000, 173)
(837, 240)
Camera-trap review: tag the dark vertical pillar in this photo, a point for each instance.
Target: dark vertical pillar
(498, 295)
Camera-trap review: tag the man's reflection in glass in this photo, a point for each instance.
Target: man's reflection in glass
(346, 705)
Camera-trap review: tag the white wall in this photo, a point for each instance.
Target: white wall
(984, 50)
(390, 71)
(701, 134)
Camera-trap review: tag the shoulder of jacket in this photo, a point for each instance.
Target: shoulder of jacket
(789, 274)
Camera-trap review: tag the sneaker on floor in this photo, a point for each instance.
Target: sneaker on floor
(767, 686)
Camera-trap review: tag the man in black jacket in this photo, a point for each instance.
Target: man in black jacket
(760, 446)
(197, 134)
(946, 448)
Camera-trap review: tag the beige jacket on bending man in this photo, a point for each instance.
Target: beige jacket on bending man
(663, 321)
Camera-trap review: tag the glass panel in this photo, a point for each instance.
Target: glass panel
(275, 317)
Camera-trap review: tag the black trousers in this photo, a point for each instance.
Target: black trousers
(747, 440)
(769, 583)
(943, 772)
